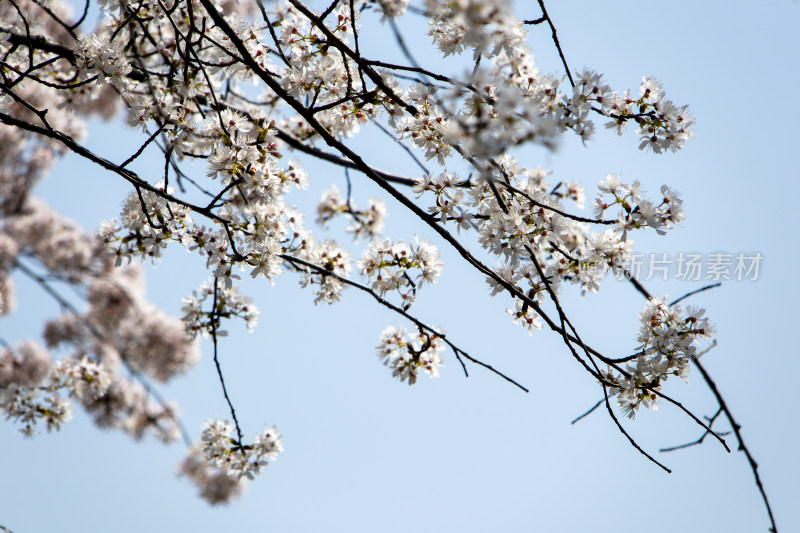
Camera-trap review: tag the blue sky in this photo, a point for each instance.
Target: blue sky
(366, 453)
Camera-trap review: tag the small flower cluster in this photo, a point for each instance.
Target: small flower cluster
(227, 303)
(407, 355)
(446, 187)
(635, 210)
(26, 373)
(330, 257)
(97, 53)
(150, 222)
(528, 223)
(8, 255)
(244, 460)
(668, 338)
(86, 380)
(22, 405)
(366, 223)
(663, 126)
(523, 314)
(217, 485)
(121, 328)
(391, 265)
(488, 27)
(426, 129)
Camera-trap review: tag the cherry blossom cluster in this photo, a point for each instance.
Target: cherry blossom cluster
(495, 114)
(226, 302)
(367, 223)
(8, 253)
(449, 194)
(149, 222)
(401, 267)
(428, 128)
(521, 220)
(31, 386)
(333, 263)
(481, 26)
(117, 339)
(523, 314)
(229, 454)
(408, 355)
(525, 227)
(216, 485)
(316, 74)
(663, 126)
(98, 53)
(669, 338)
(635, 211)
(132, 340)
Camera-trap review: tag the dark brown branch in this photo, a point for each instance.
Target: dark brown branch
(535, 21)
(630, 439)
(213, 319)
(297, 144)
(564, 214)
(142, 148)
(555, 41)
(737, 432)
(418, 70)
(126, 174)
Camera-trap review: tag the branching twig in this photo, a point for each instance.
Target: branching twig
(702, 437)
(737, 433)
(303, 265)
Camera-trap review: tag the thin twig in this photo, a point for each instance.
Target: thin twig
(213, 317)
(555, 41)
(702, 437)
(590, 411)
(692, 293)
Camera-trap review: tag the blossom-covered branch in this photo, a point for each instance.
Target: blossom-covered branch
(237, 88)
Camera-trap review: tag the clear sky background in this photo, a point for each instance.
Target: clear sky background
(366, 453)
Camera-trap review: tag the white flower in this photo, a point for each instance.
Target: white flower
(406, 356)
